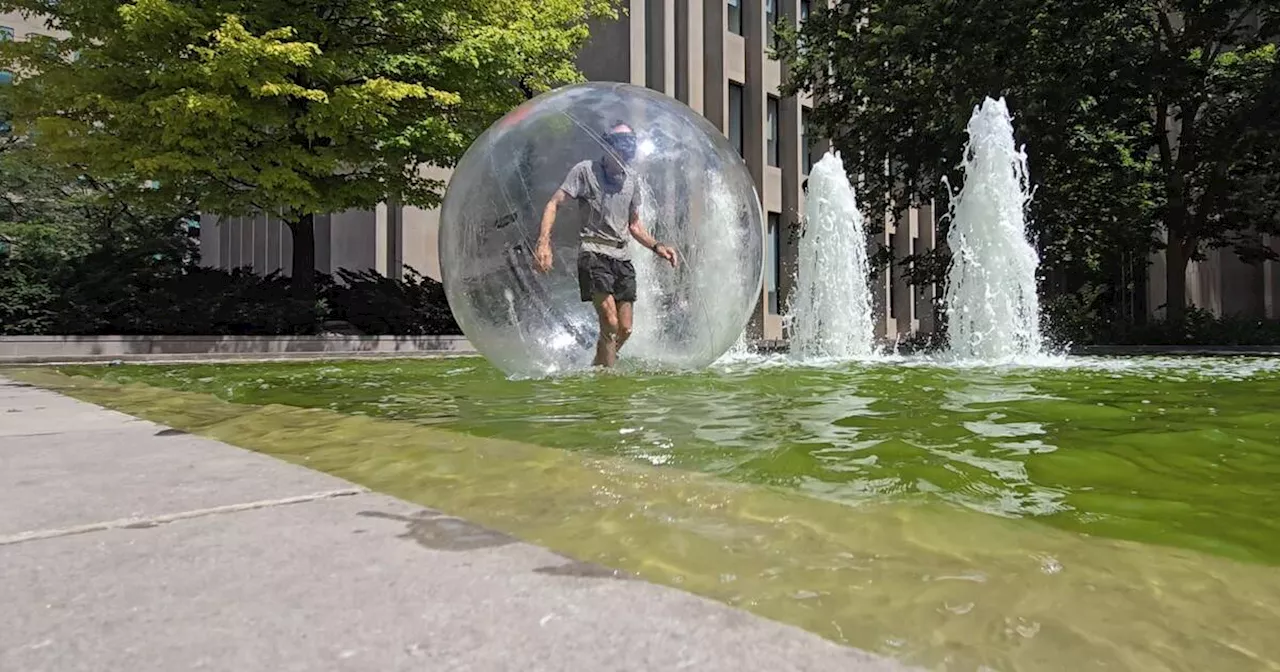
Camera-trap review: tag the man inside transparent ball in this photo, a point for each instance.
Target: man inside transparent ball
(610, 193)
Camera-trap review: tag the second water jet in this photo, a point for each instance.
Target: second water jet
(993, 311)
(831, 315)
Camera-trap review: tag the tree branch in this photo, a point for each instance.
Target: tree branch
(1166, 26)
(1162, 134)
(1211, 54)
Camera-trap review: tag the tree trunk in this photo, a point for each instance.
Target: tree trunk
(303, 274)
(1175, 278)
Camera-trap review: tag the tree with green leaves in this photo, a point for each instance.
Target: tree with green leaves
(1098, 89)
(1213, 89)
(81, 213)
(55, 223)
(292, 109)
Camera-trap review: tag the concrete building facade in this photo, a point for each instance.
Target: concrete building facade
(14, 26)
(1222, 284)
(712, 55)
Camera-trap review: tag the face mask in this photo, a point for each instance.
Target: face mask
(623, 145)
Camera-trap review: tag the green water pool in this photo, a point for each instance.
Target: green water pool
(1058, 497)
(1183, 452)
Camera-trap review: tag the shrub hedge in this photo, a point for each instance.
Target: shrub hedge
(138, 295)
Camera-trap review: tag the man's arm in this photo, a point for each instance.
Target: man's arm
(570, 189)
(542, 251)
(641, 234)
(549, 216)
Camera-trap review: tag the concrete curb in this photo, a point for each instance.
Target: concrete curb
(130, 547)
(781, 347)
(1178, 350)
(25, 350)
(72, 349)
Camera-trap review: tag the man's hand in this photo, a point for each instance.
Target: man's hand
(542, 257)
(666, 252)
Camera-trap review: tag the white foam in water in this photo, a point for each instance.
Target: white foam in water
(739, 354)
(993, 312)
(830, 315)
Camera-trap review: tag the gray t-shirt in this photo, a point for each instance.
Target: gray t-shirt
(606, 208)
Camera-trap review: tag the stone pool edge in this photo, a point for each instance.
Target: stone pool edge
(811, 541)
(30, 350)
(720, 627)
(618, 471)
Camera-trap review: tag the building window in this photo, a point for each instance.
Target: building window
(806, 143)
(771, 24)
(735, 16)
(773, 261)
(771, 144)
(736, 118)
(804, 9)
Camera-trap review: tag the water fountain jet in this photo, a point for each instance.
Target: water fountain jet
(830, 316)
(993, 312)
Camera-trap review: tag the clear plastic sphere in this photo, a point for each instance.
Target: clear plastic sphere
(697, 197)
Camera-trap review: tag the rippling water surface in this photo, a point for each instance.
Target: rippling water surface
(1177, 454)
(1178, 451)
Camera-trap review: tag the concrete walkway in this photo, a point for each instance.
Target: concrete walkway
(126, 546)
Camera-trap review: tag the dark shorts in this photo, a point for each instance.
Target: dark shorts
(601, 274)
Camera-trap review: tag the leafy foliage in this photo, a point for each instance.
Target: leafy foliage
(1195, 327)
(1074, 318)
(375, 304)
(77, 259)
(1140, 115)
(53, 221)
(134, 294)
(26, 296)
(293, 108)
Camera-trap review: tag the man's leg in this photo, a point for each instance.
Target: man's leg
(624, 297)
(607, 346)
(624, 323)
(595, 280)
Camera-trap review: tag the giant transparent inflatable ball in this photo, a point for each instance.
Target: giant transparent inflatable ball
(697, 196)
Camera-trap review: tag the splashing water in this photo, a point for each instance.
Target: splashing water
(710, 267)
(738, 353)
(831, 316)
(993, 312)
